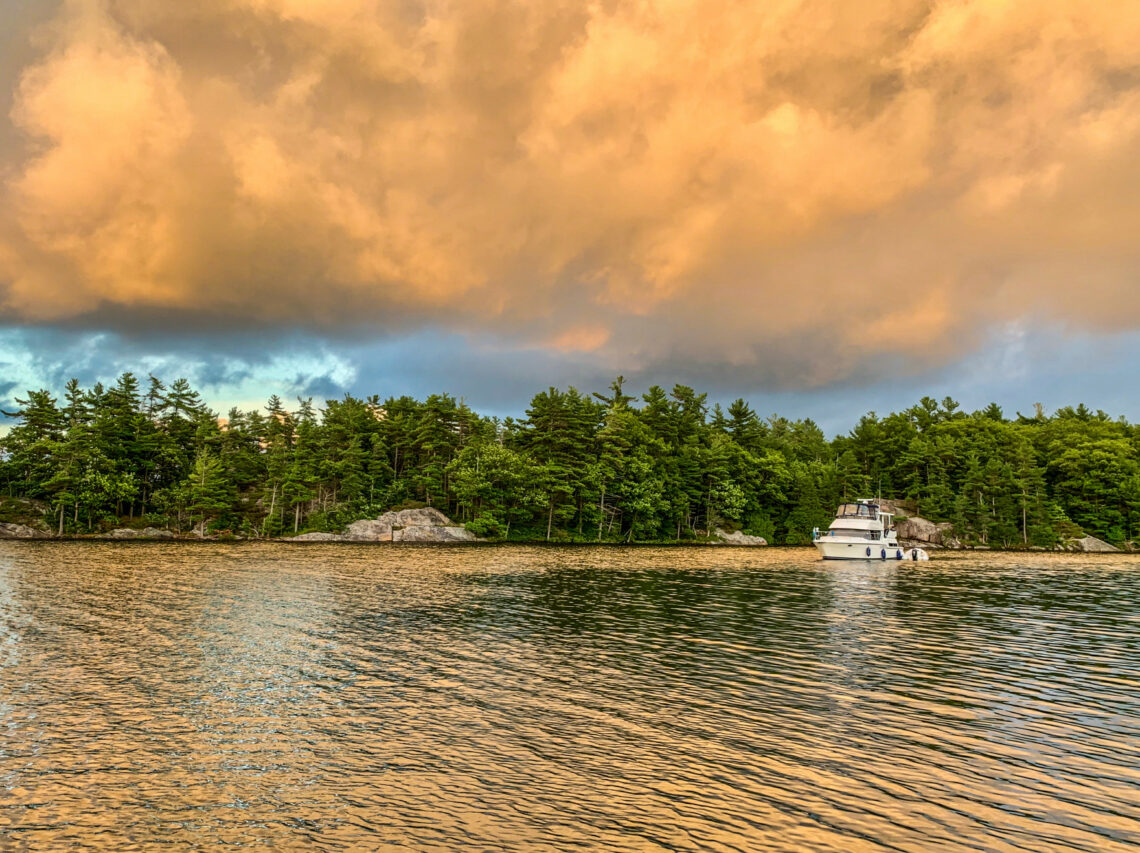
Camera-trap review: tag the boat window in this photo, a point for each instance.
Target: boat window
(849, 532)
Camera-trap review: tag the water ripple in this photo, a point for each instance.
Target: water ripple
(337, 698)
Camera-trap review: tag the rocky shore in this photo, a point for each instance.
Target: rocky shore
(131, 533)
(737, 537)
(917, 532)
(430, 525)
(21, 531)
(407, 525)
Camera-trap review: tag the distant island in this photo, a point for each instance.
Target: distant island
(604, 467)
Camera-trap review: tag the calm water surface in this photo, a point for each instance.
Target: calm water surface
(507, 698)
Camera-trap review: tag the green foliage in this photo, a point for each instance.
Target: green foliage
(486, 527)
(208, 490)
(580, 467)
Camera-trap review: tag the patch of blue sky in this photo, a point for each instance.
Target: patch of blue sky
(1019, 367)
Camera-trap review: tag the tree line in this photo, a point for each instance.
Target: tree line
(612, 466)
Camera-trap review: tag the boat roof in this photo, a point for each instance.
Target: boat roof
(860, 508)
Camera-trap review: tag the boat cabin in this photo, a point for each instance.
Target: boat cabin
(862, 519)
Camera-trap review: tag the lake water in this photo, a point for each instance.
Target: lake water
(510, 698)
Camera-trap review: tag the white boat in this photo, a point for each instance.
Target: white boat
(861, 531)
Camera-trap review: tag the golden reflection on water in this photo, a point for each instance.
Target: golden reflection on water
(335, 698)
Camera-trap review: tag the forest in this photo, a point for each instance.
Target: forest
(612, 466)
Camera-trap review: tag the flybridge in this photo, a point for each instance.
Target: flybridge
(862, 508)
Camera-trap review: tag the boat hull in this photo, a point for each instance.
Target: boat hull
(864, 550)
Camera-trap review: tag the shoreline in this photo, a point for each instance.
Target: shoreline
(935, 553)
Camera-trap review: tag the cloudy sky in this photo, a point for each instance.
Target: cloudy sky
(822, 207)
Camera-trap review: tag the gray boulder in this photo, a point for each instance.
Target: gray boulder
(131, 533)
(918, 532)
(1090, 544)
(918, 529)
(408, 525)
(369, 530)
(426, 517)
(21, 531)
(739, 538)
(434, 533)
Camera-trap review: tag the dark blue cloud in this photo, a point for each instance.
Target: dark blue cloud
(1017, 369)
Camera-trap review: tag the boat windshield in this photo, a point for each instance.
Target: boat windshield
(857, 511)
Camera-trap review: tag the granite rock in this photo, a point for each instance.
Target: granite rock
(917, 529)
(1090, 544)
(21, 531)
(369, 530)
(434, 533)
(739, 538)
(408, 525)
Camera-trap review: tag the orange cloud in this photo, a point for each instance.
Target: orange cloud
(652, 181)
(581, 339)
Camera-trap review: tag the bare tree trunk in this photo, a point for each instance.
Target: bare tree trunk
(296, 517)
(272, 504)
(1025, 533)
(61, 519)
(550, 520)
(601, 511)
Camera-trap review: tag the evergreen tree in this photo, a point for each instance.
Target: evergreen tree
(607, 466)
(208, 492)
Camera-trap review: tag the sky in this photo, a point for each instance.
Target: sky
(825, 208)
